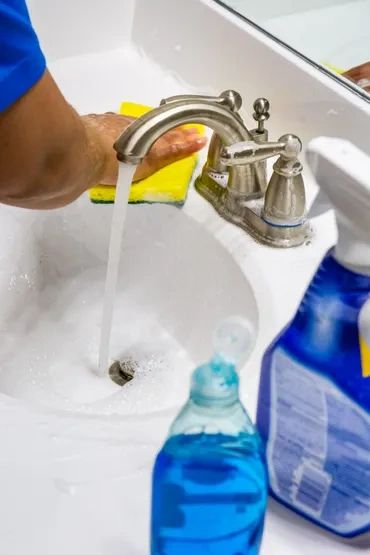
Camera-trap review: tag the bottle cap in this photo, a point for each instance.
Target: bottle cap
(233, 339)
(217, 381)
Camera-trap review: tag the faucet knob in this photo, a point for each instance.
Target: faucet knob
(293, 146)
(232, 99)
(261, 114)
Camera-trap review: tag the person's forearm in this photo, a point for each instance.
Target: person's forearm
(50, 155)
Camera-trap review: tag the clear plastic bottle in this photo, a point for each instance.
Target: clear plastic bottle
(209, 479)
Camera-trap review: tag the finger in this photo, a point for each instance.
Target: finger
(189, 131)
(170, 144)
(174, 136)
(175, 151)
(167, 154)
(180, 132)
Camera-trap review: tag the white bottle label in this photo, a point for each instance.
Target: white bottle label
(318, 451)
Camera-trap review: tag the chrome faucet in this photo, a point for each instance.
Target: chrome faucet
(233, 179)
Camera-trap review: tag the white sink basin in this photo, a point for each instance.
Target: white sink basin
(75, 446)
(176, 283)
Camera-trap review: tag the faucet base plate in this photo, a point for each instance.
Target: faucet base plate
(212, 191)
(246, 214)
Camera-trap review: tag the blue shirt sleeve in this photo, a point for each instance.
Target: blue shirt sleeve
(21, 60)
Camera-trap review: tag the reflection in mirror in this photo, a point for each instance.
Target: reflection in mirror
(334, 34)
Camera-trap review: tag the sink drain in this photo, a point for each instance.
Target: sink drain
(122, 371)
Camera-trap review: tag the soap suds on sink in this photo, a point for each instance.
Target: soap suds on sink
(53, 363)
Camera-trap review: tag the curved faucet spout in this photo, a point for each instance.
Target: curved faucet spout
(135, 142)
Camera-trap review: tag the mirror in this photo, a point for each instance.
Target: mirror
(334, 35)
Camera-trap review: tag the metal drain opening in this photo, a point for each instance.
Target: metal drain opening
(123, 371)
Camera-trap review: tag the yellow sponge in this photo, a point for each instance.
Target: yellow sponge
(168, 185)
(335, 69)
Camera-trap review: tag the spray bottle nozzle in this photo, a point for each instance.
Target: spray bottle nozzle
(342, 172)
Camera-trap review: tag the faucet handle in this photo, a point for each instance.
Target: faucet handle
(261, 113)
(285, 198)
(231, 99)
(249, 152)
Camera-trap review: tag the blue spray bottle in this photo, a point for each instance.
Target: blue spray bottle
(209, 480)
(314, 399)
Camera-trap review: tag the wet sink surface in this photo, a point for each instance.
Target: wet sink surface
(176, 282)
(81, 443)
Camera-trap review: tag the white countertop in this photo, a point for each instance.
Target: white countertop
(100, 504)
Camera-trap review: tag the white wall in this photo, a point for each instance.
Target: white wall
(68, 28)
(211, 50)
(338, 34)
(260, 11)
(214, 50)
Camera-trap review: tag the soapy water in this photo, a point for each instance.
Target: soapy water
(49, 347)
(125, 176)
(56, 363)
(52, 309)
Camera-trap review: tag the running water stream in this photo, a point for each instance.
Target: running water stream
(125, 175)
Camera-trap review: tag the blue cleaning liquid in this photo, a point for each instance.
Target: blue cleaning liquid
(209, 495)
(314, 405)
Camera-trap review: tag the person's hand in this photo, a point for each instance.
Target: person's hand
(63, 154)
(172, 146)
(360, 75)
